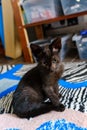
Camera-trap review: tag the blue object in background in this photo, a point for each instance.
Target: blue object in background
(1, 26)
(83, 33)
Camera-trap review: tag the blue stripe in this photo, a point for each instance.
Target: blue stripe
(73, 85)
(10, 73)
(9, 90)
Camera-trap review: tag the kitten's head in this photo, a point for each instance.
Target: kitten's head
(48, 55)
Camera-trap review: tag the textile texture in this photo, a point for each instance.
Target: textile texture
(72, 86)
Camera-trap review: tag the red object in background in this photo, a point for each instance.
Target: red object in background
(1, 50)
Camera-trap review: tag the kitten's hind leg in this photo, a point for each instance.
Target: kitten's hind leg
(45, 108)
(35, 109)
(42, 108)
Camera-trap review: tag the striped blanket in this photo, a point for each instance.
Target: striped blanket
(73, 84)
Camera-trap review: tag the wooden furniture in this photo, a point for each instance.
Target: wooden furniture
(38, 27)
(12, 43)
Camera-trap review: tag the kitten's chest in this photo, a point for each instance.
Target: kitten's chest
(50, 79)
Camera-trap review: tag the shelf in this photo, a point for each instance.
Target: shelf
(18, 14)
(22, 32)
(55, 19)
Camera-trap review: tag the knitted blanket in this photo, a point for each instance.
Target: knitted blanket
(73, 87)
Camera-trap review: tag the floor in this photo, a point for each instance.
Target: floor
(71, 56)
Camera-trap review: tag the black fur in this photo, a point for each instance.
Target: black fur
(40, 83)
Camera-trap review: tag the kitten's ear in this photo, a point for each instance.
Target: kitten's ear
(36, 50)
(56, 45)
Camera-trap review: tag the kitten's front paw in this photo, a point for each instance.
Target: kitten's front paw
(60, 108)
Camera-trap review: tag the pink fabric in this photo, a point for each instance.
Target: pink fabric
(12, 121)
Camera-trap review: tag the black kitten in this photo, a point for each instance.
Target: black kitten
(40, 83)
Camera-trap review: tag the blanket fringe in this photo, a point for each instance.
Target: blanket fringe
(5, 103)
